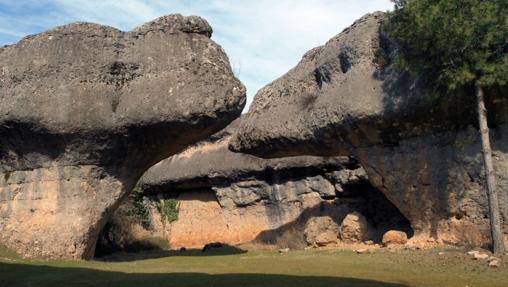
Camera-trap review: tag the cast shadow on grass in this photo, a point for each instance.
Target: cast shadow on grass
(157, 253)
(14, 275)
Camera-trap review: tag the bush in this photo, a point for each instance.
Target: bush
(141, 211)
(168, 209)
(135, 208)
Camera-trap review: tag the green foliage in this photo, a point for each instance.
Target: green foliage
(225, 268)
(168, 209)
(140, 211)
(452, 43)
(137, 189)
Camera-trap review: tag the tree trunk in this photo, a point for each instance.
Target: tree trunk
(494, 214)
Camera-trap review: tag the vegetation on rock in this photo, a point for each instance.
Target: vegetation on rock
(168, 208)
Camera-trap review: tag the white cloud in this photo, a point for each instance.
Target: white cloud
(263, 38)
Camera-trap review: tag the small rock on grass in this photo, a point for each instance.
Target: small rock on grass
(362, 251)
(492, 258)
(480, 256)
(494, 263)
(412, 246)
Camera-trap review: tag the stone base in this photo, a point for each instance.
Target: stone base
(56, 212)
(261, 214)
(438, 183)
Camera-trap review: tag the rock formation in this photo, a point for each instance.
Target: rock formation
(85, 109)
(355, 228)
(394, 237)
(236, 198)
(424, 154)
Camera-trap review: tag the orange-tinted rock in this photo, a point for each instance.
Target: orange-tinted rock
(237, 198)
(355, 228)
(394, 237)
(321, 231)
(85, 109)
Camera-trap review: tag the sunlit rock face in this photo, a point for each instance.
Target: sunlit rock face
(424, 154)
(237, 198)
(85, 109)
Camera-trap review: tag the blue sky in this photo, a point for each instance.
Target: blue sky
(263, 38)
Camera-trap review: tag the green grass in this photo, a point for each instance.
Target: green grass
(261, 268)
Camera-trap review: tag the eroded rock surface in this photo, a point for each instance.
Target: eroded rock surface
(85, 109)
(355, 228)
(237, 198)
(394, 237)
(424, 154)
(321, 231)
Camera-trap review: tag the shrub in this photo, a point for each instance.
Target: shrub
(135, 208)
(168, 209)
(141, 211)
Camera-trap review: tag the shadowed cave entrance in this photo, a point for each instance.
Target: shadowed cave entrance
(272, 210)
(358, 197)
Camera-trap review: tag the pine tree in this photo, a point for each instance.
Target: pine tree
(456, 45)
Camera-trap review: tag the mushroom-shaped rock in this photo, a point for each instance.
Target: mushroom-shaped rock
(85, 109)
(345, 98)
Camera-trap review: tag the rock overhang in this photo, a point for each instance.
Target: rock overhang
(210, 163)
(347, 94)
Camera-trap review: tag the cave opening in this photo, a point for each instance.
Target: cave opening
(352, 196)
(380, 212)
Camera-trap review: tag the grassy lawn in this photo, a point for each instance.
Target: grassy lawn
(260, 268)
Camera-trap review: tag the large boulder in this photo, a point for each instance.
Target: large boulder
(423, 153)
(85, 109)
(394, 237)
(355, 228)
(321, 231)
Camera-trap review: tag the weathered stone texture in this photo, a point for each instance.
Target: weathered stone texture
(237, 198)
(422, 153)
(85, 109)
(46, 205)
